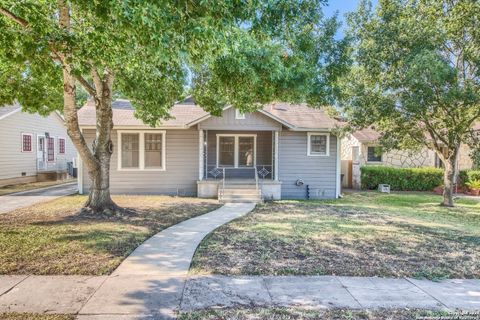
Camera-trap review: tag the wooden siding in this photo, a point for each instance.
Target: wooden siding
(12, 160)
(253, 122)
(318, 172)
(179, 177)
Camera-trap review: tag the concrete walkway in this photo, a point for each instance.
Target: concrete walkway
(23, 199)
(323, 292)
(150, 282)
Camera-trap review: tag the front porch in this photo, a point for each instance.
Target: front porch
(238, 160)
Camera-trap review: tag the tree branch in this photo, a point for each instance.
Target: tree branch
(86, 85)
(13, 17)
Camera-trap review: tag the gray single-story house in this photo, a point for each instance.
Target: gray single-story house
(34, 148)
(281, 151)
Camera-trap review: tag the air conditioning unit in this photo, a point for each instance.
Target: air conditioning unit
(385, 188)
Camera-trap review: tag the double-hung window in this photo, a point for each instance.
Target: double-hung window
(27, 142)
(61, 145)
(51, 149)
(141, 150)
(318, 144)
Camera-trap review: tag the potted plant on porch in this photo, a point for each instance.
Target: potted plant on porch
(474, 187)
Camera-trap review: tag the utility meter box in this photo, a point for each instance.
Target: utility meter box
(385, 188)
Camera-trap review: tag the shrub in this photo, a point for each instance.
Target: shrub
(401, 179)
(466, 176)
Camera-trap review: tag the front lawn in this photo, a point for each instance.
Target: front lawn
(300, 314)
(54, 238)
(363, 234)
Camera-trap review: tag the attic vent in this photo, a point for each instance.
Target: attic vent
(280, 108)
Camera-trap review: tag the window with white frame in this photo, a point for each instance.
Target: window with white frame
(141, 150)
(318, 144)
(50, 149)
(27, 139)
(239, 115)
(61, 145)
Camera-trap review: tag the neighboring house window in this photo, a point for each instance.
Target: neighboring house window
(318, 144)
(26, 142)
(51, 149)
(239, 115)
(61, 145)
(141, 150)
(374, 154)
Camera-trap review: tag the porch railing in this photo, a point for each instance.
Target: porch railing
(58, 165)
(262, 172)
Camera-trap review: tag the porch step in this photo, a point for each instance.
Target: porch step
(240, 191)
(240, 194)
(240, 198)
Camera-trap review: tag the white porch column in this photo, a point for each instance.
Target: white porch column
(276, 156)
(200, 154)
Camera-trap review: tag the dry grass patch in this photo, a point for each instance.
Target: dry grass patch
(29, 186)
(297, 314)
(55, 238)
(366, 234)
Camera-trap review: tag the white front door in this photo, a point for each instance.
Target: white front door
(41, 153)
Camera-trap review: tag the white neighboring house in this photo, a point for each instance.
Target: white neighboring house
(33, 148)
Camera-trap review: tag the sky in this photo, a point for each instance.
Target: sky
(343, 7)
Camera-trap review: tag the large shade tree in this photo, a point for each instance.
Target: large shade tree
(416, 75)
(238, 52)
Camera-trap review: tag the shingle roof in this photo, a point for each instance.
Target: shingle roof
(366, 135)
(301, 116)
(187, 112)
(182, 114)
(4, 110)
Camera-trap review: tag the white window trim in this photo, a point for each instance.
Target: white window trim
(374, 162)
(141, 150)
(239, 115)
(309, 135)
(31, 142)
(235, 148)
(65, 145)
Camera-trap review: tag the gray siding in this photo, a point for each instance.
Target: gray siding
(253, 121)
(319, 173)
(179, 177)
(12, 160)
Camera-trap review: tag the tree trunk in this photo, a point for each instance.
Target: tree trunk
(449, 180)
(99, 199)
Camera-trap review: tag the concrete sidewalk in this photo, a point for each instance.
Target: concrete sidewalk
(23, 199)
(157, 297)
(323, 292)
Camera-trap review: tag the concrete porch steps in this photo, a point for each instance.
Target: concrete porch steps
(236, 191)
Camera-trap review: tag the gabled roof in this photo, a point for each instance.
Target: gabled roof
(186, 114)
(366, 135)
(5, 111)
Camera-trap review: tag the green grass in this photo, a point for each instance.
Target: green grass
(291, 314)
(363, 234)
(56, 238)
